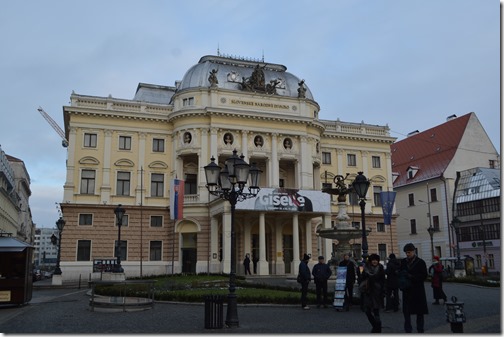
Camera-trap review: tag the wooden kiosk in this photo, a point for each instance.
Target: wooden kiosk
(16, 283)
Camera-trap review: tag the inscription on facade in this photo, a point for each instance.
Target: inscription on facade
(260, 104)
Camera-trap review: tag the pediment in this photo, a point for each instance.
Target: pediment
(89, 161)
(124, 163)
(158, 164)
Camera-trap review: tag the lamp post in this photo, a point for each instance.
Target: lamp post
(456, 225)
(360, 186)
(119, 213)
(431, 231)
(60, 224)
(228, 184)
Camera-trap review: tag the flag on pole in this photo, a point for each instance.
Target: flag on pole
(387, 201)
(177, 199)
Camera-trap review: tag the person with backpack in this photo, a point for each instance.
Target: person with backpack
(436, 272)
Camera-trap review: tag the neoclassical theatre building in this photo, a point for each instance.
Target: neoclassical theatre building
(128, 152)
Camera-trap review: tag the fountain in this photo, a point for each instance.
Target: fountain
(342, 229)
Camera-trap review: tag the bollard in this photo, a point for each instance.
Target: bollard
(214, 311)
(455, 315)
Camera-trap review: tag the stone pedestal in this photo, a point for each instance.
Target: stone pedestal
(57, 280)
(116, 277)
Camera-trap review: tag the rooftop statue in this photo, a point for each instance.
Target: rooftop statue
(213, 78)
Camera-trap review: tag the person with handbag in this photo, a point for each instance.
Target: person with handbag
(372, 288)
(304, 278)
(321, 273)
(412, 275)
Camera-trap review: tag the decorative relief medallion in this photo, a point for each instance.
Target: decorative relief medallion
(223, 100)
(294, 108)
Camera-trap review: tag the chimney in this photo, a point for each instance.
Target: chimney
(449, 118)
(412, 133)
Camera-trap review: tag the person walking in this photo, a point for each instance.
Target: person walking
(392, 284)
(412, 275)
(372, 287)
(350, 280)
(436, 272)
(304, 278)
(246, 263)
(321, 273)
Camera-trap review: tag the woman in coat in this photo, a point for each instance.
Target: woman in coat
(436, 270)
(372, 288)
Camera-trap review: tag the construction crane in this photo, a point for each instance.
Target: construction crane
(55, 126)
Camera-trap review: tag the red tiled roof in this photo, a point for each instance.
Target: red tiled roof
(431, 151)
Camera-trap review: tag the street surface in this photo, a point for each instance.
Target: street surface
(66, 311)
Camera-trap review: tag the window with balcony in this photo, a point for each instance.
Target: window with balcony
(191, 184)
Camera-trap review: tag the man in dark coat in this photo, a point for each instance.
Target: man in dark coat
(392, 284)
(372, 284)
(414, 270)
(350, 279)
(305, 277)
(321, 273)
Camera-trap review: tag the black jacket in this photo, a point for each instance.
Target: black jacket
(321, 272)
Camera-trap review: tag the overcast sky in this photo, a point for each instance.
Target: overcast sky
(405, 64)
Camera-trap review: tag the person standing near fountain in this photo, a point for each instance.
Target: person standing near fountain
(372, 284)
(321, 273)
(304, 278)
(350, 280)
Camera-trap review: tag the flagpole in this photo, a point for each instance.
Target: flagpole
(141, 221)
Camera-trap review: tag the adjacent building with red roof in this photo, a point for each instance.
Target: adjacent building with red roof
(424, 169)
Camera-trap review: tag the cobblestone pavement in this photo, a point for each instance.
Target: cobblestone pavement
(66, 310)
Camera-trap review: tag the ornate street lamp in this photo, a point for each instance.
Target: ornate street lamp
(360, 186)
(431, 231)
(119, 213)
(229, 183)
(60, 224)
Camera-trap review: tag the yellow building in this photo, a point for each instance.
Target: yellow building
(128, 152)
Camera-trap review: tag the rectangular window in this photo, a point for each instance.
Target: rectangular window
(87, 181)
(491, 164)
(376, 195)
(188, 101)
(90, 140)
(191, 184)
(83, 250)
(351, 160)
(435, 222)
(413, 226)
(411, 199)
(157, 145)
(156, 221)
(326, 157)
(433, 194)
(123, 183)
(281, 183)
(380, 227)
(491, 261)
(382, 251)
(157, 185)
(155, 250)
(123, 250)
(85, 219)
(376, 162)
(478, 261)
(124, 143)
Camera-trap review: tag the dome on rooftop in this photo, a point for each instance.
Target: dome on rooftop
(238, 74)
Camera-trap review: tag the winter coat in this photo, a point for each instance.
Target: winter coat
(414, 298)
(393, 266)
(436, 270)
(375, 278)
(304, 272)
(321, 272)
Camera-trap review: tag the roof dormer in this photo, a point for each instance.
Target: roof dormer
(412, 171)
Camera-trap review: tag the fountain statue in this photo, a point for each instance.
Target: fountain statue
(343, 231)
